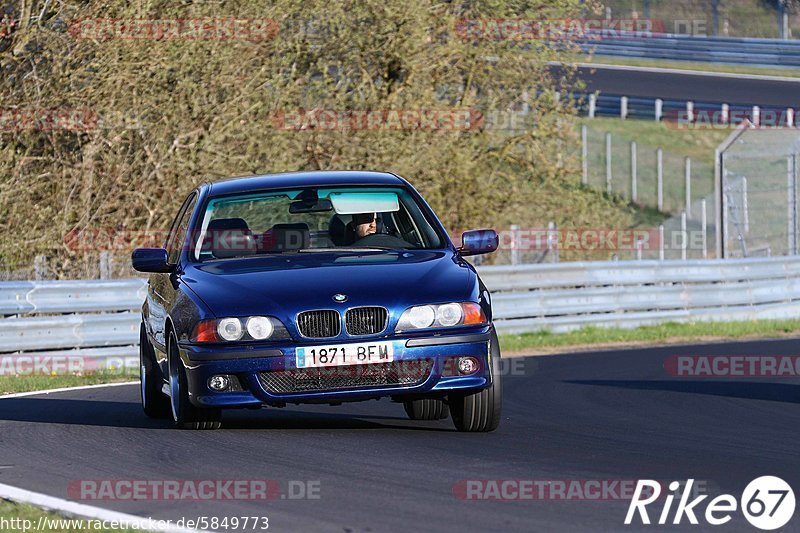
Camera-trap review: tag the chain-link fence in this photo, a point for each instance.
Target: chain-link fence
(758, 181)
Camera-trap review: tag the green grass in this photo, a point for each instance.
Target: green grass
(53, 523)
(672, 332)
(10, 384)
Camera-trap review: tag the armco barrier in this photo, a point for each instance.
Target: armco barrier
(565, 296)
(92, 318)
(100, 319)
(738, 51)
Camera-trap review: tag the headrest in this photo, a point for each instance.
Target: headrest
(340, 232)
(229, 237)
(283, 237)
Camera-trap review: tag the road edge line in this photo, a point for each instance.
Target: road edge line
(64, 389)
(79, 510)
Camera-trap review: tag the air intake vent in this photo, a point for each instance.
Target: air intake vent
(402, 373)
(365, 320)
(319, 324)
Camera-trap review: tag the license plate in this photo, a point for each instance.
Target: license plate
(362, 353)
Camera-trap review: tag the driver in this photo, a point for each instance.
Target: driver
(365, 224)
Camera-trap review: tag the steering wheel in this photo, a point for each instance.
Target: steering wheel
(382, 240)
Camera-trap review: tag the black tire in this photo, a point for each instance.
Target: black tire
(426, 409)
(480, 411)
(154, 403)
(185, 414)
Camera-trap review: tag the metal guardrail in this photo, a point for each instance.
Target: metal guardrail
(737, 51)
(89, 319)
(708, 114)
(100, 319)
(567, 296)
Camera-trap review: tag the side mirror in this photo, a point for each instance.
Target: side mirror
(151, 260)
(479, 241)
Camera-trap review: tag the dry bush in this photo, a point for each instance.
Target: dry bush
(175, 113)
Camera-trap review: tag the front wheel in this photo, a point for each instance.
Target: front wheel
(481, 410)
(154, 403)
(185, 414)
(426, 409)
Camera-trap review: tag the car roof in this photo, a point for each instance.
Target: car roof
(316, 178)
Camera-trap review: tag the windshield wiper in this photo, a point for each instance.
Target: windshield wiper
(343, 249)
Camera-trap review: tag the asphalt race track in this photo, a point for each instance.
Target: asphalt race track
(595, 416)
(685, 86)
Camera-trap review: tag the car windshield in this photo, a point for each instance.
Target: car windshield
(314, 220)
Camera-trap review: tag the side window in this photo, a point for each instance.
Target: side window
(179, 227)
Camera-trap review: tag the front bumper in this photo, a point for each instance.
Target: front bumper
(429, 357)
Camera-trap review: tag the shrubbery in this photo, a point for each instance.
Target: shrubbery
(153, 118)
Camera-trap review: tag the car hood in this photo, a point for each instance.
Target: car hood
(283, 285)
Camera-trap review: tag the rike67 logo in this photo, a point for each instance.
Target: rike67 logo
(767, 503)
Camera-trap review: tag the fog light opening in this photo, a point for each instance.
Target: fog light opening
(467, 365)
(219, 383)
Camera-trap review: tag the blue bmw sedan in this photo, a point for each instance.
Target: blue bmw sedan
(316, 287)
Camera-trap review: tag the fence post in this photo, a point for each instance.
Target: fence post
(661, 242)
(634, 173)
(623, 107)
(514, 244)
(684, 236)
(688, 186)
(105, 265)
(756, 115)
(638, 249)
(592, 105)
(689, 111)
(552, 241)
(584, 155)
(719, 169)
(745, 208)
(791, 176)
(790, 118)
(608, 163)
(39, 267)
(726, 113)
(660, 178)
(704, 227)
(659, 109)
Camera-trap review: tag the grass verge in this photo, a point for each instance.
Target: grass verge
(669, 333)
(11, 384)
(22, 517)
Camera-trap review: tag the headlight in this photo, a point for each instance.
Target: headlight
(259, 327)
(420, 317)
(441, 316)
(449, 315)
(232, 329)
